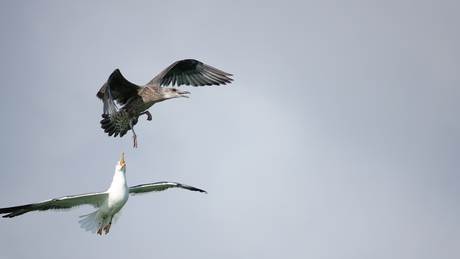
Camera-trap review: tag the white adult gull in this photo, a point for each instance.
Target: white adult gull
(136, 100)
(108, 203)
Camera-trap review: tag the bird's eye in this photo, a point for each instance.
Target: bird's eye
(174, 89)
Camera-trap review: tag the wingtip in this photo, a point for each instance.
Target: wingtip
(203, 191)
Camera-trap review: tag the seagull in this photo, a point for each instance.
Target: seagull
(136, 100)
(108, 203)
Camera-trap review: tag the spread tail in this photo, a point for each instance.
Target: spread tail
(95, 223)
(118, 124)
(92, 222)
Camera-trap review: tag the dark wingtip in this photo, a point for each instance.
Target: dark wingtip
(199, 190)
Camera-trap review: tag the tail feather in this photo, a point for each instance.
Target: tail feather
(94, 221)
(91, 222)
(108, 125)
(118, 124)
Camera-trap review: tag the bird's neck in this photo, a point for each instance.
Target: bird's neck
(152, 94)
(119, 180)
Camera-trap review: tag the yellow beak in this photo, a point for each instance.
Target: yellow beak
(122, 160)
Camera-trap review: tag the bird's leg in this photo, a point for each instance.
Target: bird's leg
(134, 133)
(149, 115)
(99, 231)
(107, 228)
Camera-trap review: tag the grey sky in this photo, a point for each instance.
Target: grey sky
(339, 137)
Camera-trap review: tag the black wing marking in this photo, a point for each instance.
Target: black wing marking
(120, 89)
(159, 186)
(191, 72)
(67, 202)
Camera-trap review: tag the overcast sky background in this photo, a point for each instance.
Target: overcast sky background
(339, 137)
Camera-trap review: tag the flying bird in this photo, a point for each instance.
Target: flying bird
(136, 100)
(108, 203)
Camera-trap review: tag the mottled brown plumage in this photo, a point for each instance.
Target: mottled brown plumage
(136, 100)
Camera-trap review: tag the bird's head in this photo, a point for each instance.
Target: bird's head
(121, 165)
(169, 93)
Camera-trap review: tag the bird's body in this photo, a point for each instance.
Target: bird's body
(108, 203)
(136, 100)
(117, 196)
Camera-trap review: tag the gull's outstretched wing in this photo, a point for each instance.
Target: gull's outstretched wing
(118, 88)
(62, 203)
(191, 72)
(158, 187)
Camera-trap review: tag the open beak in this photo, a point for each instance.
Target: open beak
(122, 160)
(181, 93)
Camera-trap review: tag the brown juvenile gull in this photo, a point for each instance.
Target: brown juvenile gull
(108, 203)
(136, 100)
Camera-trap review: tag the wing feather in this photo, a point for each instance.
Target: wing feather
(120, 89)
(182, 72)
(193, 80)
(160, 186)
(62, 203)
